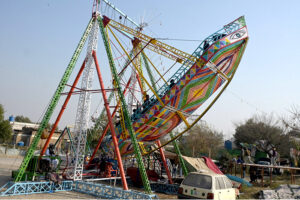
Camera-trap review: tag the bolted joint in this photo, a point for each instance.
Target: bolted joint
(95, 14)
(179, 60)
(105, 20)
(135, 42)
(153, 41)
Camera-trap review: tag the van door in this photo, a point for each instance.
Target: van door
(229, 191)
(225, 190)
(220, 189)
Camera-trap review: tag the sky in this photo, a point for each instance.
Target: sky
(38, 38)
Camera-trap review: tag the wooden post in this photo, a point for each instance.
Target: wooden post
(262, 177)
(242, 170)
(235, 169)
(271, 176)
(292, 176)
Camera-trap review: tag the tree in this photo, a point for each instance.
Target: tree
(21, 118)
(259, 128)
(292, 122)
(201, 140)
(96, 131)
(1, 113)
(5, 127)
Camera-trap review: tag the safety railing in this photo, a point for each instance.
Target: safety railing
(108, 192)
(21, 188)
(94, 189)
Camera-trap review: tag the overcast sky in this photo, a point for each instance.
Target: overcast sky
(38, 38)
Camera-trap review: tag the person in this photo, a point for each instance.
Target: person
(248, 158)
(174, 169)
(222, 35)
(146, 102)
(273, 156)
(215, 37)
(172, 82)
(133, 117)
(242, 153)
(253, 174)
(241, 161)
(205, 45)
(50, 154)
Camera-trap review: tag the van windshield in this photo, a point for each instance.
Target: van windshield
(198, 180)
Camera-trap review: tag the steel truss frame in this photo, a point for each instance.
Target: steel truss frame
(165, 188)
(22, 188)
(94, 189)
(108, 192)
(125, 108)
(83, 108)
(53, 102)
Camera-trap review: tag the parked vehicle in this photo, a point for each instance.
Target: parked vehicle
(203, 185)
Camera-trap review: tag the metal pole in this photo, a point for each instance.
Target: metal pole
(110, 121)
(53, 102)
(149, 71)
(164, 161)
(125, 110)
(106, 127)
(185, 171)
(63, 108)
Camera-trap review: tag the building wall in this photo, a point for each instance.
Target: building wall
(26, 135)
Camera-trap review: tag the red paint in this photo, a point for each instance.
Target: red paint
(110, 121)
(63, 108)
(164, 161)
(106, 128)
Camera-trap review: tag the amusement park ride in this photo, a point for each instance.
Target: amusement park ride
(141, 108)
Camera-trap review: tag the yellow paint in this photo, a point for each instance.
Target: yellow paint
(137, 69)
(198, 93)
(159, 45)
(183, 118)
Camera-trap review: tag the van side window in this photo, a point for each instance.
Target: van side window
(227, 182)
(217, 184)
(220, 183)
(198, 180)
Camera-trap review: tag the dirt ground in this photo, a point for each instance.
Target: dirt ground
(8, 164)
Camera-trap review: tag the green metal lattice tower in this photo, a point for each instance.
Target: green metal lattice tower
(125, 110)
(53, 102)
(185, 171)
(176, 147)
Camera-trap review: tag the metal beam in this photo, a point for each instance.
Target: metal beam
(53, 102)
(125, 110)
(110, 121)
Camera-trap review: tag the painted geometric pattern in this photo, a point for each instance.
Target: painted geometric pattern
(215, 47)
(188, 94)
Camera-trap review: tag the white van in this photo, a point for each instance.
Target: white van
(202, 185)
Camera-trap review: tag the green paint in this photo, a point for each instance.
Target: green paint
(125, 109)
(185, 171)
(149, 71)
(53, 102)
